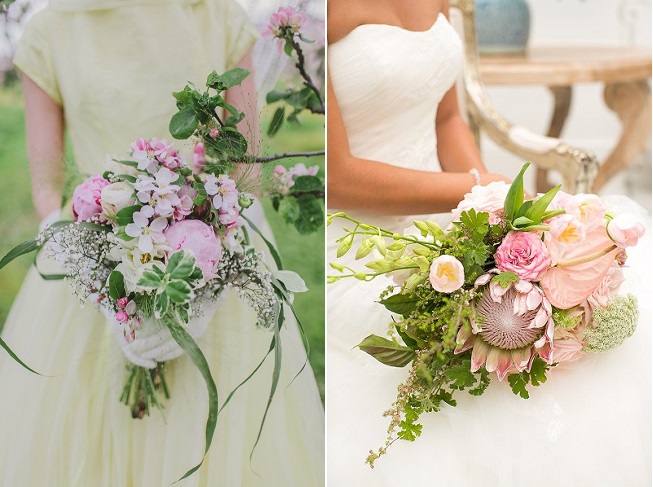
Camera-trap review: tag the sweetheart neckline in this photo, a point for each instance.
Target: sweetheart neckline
(391, 26)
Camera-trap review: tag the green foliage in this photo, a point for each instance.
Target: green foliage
(386, 351)
(116, 285)
(537, 375)
(403, 304)
(504, 279)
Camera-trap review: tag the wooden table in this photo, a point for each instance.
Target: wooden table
(624, 72)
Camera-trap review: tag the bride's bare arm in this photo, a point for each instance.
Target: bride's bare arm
(44, 123)
(355, 183)
(457, 150)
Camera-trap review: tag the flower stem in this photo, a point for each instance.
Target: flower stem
(586, 258)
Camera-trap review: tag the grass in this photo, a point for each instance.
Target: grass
(18, 221)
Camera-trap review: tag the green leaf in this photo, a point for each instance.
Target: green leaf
(21, 249)
(386, 351)
(270, 246)
(402, 304)
(189, 346)
(311, 215)
(460, 377)
(538, 371)
(476, 222)
(305, 184)
(276, 373)
(179, 291)
(408, 340)
(522, 221)
(161, 305)
(230, 144)
(277, 121)
(184, 97)
(32, 244)
(515, 196)
(150, 280)
(214, 80)
(234, 77)
(235, 119)
(183, 123)
(116, 285)
(287, 48)
(289, 210)
(126, 177)
(126, 216)
(15, 357)
(504, 279)
(276, 95)
(127, 163)
(518, 383)
(538, 209)
(181, 264)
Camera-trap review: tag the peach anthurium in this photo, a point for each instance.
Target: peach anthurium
(578, 269)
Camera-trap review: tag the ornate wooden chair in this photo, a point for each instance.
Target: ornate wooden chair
(578, 167)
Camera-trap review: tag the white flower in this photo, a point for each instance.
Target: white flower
(158, 192)
(148, 233)
(115, 197)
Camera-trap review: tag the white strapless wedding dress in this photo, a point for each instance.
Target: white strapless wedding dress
(590, 424)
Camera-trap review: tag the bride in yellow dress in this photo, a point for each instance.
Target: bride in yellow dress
(104, 71)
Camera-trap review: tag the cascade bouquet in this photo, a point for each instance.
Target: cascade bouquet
(155, 243)
(513, 287)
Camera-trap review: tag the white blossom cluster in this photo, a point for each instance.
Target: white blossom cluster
(252, 281)
(82, 252)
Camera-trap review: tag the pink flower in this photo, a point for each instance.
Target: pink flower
(578, 269)
(198, 156)
(287, 20)
(607, 288)
(524, 254)
(301, 170)
(517, 323)
(122, 316)
(567, 229)
(447, 274)
(214, 133)
(489, 198)
(87, 198)
(198, 238)
(565, 349)
(625, 230)
(122, 302)
(588, 208)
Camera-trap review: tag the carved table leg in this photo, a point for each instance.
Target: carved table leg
(631, 101)
(562, 97)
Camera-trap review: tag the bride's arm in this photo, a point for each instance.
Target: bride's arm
(244, 97)
(355, 183)
(457, 150)
(44, 122)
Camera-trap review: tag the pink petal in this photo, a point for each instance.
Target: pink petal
(566, 287)
(479, 354)
(464, 340)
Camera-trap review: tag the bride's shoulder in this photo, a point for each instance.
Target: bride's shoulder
(344, 16)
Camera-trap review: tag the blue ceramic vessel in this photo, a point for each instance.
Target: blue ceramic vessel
(502, 26)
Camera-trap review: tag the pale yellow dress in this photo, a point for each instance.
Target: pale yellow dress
(113, 66)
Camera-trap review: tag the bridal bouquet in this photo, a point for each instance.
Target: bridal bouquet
(512, 287)
(156, 242)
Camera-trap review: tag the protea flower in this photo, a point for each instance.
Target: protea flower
(517, 323)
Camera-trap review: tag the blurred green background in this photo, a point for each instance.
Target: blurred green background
(302, 254)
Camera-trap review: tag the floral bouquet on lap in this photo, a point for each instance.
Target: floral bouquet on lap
(511, 287)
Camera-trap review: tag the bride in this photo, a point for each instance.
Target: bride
(398, 147)
(105, 70)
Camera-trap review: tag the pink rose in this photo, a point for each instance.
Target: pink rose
(87, 198)
(625, 230)
(447, 274)
(122, 316)
(122, 302)
(198, 238)
(489, 198)
(524, 254)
